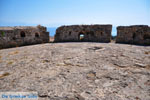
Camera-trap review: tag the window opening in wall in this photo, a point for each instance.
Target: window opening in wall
(37, 35)
(69, 33)
(101, 33)
(134, 35)
(22, 34)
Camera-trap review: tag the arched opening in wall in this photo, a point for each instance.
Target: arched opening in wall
(22, 34)
(37, 35)
(81, 36)
(146, 36)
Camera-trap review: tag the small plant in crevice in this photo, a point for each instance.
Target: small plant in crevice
(3, 34)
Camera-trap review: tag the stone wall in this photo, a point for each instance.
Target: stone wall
(85, 33)
(18, 36)
(136, 34)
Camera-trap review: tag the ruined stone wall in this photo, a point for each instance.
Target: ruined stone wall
(86, 33)
(18, 36)
(137, 34)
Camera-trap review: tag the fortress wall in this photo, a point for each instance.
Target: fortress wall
(136, 34)
(89, 33)
(18, 36)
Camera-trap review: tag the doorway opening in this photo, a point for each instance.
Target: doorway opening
(81, 36)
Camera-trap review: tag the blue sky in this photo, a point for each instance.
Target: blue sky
(53, 13)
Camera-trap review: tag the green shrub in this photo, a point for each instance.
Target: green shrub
(3, 34)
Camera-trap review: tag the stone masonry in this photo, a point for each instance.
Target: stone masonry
(136, 34)
(84, 33)
(22, 35)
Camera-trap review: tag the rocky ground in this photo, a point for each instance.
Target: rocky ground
(78, 71)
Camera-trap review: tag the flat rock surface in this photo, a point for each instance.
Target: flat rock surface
(77, 71)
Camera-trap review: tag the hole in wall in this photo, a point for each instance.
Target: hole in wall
(22, 34)
(37, 35)
(81, 36)
(69, 33)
